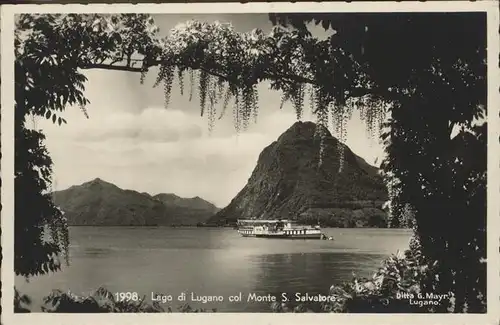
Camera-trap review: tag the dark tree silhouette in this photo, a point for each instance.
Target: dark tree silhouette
(432, 67)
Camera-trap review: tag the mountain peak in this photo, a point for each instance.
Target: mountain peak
(167, 196)
(301, 131)
(301, 125)
(287, 183)
(301, 128)
(194, 202)
(98, 181)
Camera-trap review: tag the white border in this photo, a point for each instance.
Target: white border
(7, 167)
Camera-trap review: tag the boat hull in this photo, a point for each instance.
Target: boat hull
(285, 236)
(282, 235)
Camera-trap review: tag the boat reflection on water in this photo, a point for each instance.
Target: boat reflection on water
(279, 229)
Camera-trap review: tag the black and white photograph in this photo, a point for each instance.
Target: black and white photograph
(273, 160)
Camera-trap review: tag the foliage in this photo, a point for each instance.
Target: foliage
(98, 301)
(21, 302)
(103, 301)
(398, 286)
(35, 253)
(406, 54)
(450, 190)
(427, 70)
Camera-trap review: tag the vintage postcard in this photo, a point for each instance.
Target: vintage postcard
(255, 163)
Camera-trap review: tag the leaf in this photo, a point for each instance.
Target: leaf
(54, 118)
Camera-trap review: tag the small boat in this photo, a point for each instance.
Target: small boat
(325, 237)
(278, 229)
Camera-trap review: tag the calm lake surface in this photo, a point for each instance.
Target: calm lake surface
(213, 261)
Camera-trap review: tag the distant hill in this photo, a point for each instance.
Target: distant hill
(287, 183)
(192, 210)
(101, 203)
(195, 203)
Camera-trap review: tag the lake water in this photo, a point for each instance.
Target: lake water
(214, 261)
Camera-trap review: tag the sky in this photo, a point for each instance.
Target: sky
(134, 142)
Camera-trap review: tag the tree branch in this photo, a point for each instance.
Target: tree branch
(358, 92)
(110, 67)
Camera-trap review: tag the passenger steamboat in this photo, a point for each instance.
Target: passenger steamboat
(279, 229)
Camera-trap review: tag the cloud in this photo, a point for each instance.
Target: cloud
(151, 125)
(159, 150)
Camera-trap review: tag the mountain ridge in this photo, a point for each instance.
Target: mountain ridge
(101, 203)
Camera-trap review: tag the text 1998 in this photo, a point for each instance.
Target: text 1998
(121, 296)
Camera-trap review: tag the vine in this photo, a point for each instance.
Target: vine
(242, 60)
